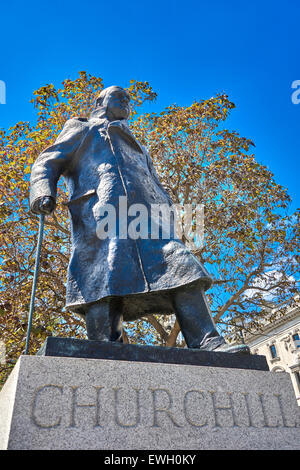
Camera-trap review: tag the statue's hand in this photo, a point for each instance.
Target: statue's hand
(44, 205)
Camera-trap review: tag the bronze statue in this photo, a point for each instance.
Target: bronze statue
(119, 277)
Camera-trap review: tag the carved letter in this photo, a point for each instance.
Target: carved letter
(116, 408)
(166, 410)
(266, 421)
(246, 395)
(185, 407)
(284, 420)
(76, 405)
(225, 408)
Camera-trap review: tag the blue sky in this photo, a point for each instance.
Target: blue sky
(186, 50)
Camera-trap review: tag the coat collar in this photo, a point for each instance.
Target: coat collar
(123, 127)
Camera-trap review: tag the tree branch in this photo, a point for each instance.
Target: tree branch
(158, 326)
(171, 341)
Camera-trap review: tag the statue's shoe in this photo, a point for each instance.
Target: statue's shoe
(237, 348)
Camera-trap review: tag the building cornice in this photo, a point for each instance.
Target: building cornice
(266, 329)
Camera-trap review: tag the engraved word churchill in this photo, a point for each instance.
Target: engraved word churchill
(56, 406)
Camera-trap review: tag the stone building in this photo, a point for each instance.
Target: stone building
(279, 341)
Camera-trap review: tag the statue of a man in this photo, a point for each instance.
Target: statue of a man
(120, 277)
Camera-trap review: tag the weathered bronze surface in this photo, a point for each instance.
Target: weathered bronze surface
(115, 278)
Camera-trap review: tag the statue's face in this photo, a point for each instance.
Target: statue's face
(116, 101)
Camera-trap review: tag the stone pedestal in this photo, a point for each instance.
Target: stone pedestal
(78, 403)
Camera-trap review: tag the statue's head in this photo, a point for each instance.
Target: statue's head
(115, 101)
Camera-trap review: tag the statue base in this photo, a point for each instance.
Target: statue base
(81, 403)
(73, 347)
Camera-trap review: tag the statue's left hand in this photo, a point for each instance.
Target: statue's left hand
(45, 205)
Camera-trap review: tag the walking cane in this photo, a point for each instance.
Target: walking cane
(35, 277)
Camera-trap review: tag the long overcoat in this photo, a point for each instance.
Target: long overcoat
(101, 161)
